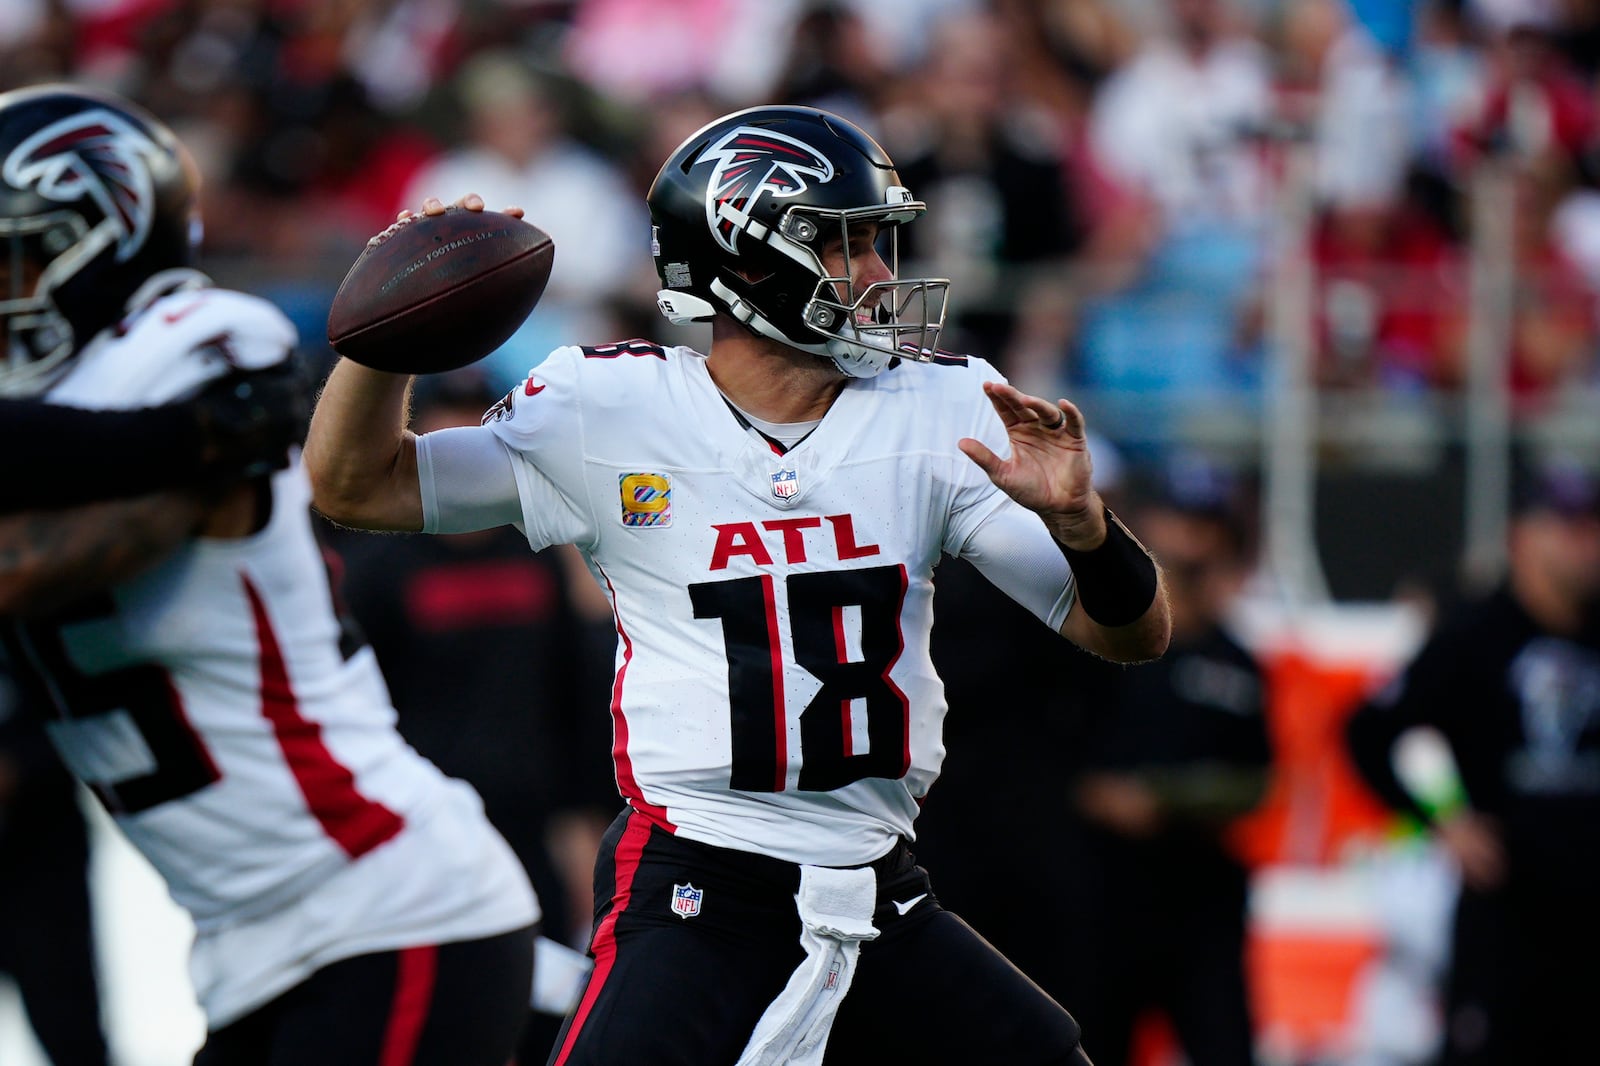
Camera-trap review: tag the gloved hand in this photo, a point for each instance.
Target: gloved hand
(248, 420)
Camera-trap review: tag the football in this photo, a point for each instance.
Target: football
(437, 292)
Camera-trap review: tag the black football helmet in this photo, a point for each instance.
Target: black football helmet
(96, 208)
(741, 212)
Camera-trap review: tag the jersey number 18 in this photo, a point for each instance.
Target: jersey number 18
(817, 605)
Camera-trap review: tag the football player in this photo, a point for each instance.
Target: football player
(765, 520)
(351, 904)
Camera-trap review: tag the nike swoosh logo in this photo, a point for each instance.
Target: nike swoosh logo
(172, 318)
(905, 908)
(531, 390)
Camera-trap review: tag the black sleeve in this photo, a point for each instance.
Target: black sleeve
(1417, 697)
(241, 425)
(75, 456)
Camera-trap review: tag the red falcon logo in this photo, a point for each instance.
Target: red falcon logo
(95, 154)
(753, 161)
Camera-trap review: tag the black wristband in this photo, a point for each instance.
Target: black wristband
(1116, 581)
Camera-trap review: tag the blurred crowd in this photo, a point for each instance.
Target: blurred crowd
(1108, 177)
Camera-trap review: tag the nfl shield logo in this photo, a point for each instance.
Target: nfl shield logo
(686, 900)
(785, 484)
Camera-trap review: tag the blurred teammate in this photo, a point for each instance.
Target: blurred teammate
(351, 904)
(765, 520)
(1513, 683)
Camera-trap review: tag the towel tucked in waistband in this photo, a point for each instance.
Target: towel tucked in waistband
(835, 908)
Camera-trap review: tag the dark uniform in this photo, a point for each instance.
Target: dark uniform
(1162, 917)
(1520, 708)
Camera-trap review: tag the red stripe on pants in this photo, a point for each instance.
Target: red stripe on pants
(630, 849)
(413, 994)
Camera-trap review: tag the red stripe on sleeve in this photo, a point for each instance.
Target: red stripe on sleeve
(356, 823)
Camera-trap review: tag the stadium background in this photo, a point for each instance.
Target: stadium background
(1351, 267)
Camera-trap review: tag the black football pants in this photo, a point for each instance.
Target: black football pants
(687, 991)
(456, 1004)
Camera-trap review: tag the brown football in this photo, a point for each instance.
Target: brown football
(440, 291)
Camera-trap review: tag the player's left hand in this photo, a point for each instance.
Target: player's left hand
(1049, 470)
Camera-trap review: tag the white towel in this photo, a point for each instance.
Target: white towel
(559, 976)
(835, 909)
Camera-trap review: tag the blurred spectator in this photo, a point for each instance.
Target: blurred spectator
(1179, 130)
(834, 63)
(1513, 683)
(1176, 751)
(1390, 291)
(1534, 104)
(517, 151)
(1554, 329)
(499, 663)
(1178, 124)
(616, 44)
(46, 933)
(1448, 72)
(36, 38)
(990, 163)
(1359, 109)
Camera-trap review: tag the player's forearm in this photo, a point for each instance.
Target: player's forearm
(1139, 641)
(238, 425)
(361, 459)
(51, 559)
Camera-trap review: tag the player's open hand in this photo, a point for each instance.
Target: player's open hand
(1049, 469)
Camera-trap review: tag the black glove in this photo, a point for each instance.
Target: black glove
(249, 419)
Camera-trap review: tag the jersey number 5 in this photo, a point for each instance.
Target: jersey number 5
(136, 749)
(824, 608)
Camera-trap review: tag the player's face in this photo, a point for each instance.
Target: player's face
(859, 261)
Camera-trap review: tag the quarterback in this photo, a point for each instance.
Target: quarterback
(765, 519)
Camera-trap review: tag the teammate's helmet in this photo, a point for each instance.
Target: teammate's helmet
(95, 205)
(742, 211)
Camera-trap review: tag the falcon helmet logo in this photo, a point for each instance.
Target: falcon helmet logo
(750, 162)
(95, 154)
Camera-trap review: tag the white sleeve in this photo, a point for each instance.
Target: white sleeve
(1014, 550)
(467, 480)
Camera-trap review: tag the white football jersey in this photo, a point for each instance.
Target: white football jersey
(243, 742)
(774, 691)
